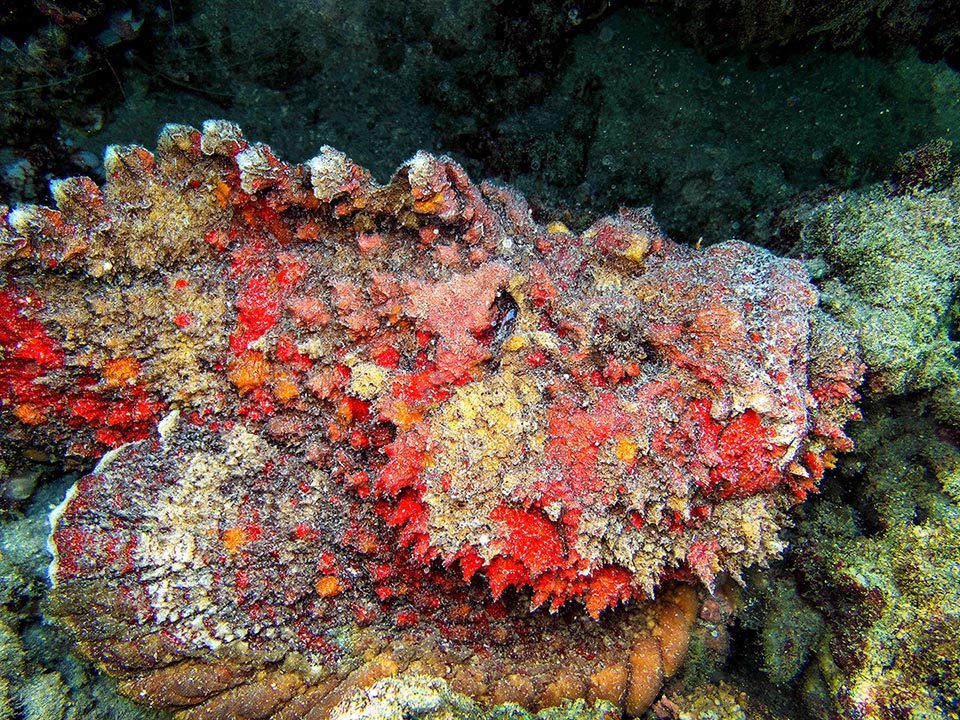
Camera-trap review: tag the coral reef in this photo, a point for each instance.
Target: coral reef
(719, 701)
(887, 261)
(884, 574)
(922, 168)
(418, 697)
(395, 418)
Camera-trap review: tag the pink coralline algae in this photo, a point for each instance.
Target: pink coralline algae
(355, 430)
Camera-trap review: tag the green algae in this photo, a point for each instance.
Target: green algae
(888, 266)
(884, 570)
(789, 627)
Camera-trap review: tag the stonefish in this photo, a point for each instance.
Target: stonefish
(350, 430)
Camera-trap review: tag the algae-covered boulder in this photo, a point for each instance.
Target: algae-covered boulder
(888, 265)
(885, 572)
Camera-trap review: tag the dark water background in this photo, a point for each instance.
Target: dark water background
(583, 106)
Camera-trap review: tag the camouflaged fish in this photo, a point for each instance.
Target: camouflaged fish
(351, 431)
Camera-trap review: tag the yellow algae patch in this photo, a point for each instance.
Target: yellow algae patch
(637, 248)
(494, 409)
(179, 368)
(490, 439)
(751, 530)
(829, 460)
(514, 343)
(367, 380)
(607, 279)
(626, 450)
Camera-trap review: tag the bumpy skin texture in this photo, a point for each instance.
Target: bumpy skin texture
(398, 417)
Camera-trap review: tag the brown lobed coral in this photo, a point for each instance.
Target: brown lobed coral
(397, 420)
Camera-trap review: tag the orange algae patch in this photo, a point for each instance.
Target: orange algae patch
(429, 204)
(236, 536)
(327, 586)
(221, 193)
(284, 389)
(120, 371)
(233, 538)
(30, 414)
(626, 450)
(248, 371)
